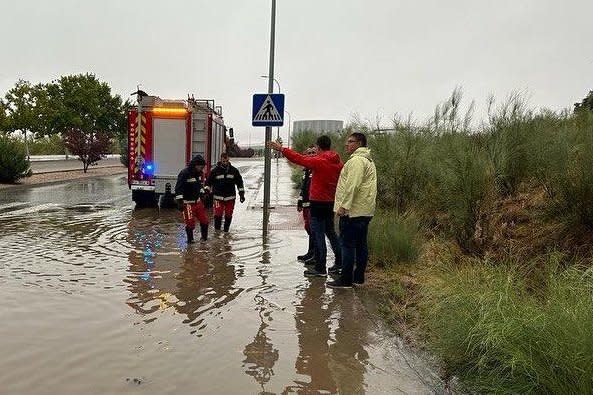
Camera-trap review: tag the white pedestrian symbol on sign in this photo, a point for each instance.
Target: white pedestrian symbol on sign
(268, 111)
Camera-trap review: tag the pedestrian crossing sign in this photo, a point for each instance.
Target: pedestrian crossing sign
(268, 109)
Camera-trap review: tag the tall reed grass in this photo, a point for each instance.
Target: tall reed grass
(498, 336)
(394, 238)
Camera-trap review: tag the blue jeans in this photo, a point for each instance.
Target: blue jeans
(353, 238)
(322, 224)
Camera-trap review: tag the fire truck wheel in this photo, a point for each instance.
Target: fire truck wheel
(145, 199)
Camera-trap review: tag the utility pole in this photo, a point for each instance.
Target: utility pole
(267, 151)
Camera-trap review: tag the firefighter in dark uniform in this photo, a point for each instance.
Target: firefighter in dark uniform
(221, 183)
(304, 206)
(188, 194)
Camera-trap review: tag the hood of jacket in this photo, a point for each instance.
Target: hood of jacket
(365, 152)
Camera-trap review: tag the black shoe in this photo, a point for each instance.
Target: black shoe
(190, 235)
(357, 282)
(314, 272)
(335, 269)
(310, 262)
(338, 284)
(217, 223)
(304, 258)
(204, 231)
(227, 223)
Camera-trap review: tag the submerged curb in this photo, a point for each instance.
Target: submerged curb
(61, 176)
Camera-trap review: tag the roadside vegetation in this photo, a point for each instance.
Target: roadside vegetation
(483, 241)
(75, 114)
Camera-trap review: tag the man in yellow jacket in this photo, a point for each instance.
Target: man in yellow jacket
(356, 196)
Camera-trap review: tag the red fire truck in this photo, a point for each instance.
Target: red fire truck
(163, 135)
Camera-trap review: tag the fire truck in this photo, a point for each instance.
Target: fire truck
(163, 135)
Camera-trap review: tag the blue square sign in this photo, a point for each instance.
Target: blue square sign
(268, 109)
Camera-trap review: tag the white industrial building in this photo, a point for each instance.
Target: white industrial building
(318, 125)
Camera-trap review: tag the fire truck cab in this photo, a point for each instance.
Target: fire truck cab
(163, 135)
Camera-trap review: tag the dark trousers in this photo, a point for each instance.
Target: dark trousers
(322, 224)
(353, 239)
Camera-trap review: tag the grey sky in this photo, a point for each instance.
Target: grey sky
(333, 57)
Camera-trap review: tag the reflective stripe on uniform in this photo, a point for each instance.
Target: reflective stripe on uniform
(191, 180)
(241, 190)
(189, 201)
(230, 176)
(177, 197)
(219, 176)
(217, 197)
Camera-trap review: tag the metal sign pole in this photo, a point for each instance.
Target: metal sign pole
(268, 158)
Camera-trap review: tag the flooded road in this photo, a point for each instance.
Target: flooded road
(99, 298)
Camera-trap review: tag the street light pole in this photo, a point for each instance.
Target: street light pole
(289, 122)
(268, 158)
(279, 91)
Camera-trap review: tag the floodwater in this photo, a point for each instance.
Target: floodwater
(99, 298)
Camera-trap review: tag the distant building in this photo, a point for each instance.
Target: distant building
(318, 125)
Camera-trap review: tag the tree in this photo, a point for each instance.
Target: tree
(89, 147)
(85, 113)
(2, 117)
(586, 104)
(22, 113)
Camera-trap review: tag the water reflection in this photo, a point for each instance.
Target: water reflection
(347, 354)
(312, 324)
(260, 354)
(164, 272)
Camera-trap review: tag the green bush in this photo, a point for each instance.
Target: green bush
(463, 177)
(302, 140)
(499, 337)
(573, 178)
(47, 145)
(508, 134)
(394, 238)
(13, 162)
(400, 159)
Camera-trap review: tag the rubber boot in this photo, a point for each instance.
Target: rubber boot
(217, 223)
(204, 231)
(190, 235)
(227, 223)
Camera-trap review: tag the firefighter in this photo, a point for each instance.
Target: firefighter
(221, 183)
(188, 194)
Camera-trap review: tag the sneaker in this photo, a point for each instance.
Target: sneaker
(304, 258)
(335, 269)
(315, 273)
(338, 284)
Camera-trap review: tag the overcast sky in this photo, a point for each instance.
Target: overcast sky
(333, 57)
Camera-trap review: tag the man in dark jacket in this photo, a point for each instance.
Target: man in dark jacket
(304, 206)
(221, 182)
(188, 194)
(326, 167)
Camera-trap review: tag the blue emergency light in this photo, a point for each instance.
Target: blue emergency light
(148, 169)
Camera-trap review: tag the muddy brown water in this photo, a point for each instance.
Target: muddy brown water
(99, 298)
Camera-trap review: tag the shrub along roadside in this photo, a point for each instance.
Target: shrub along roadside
(13, 162)
(512, 326)
(499, 336)
(394, 239)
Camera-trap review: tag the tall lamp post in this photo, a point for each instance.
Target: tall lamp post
(289, 123)
(268, 157)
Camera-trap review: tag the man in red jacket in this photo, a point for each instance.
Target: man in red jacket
(326, 167)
